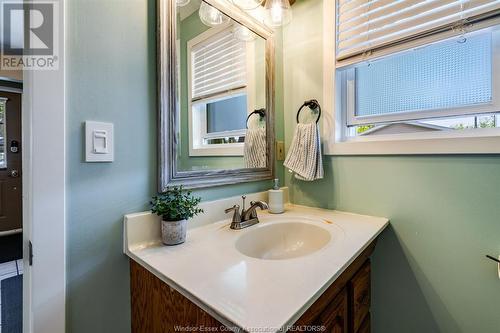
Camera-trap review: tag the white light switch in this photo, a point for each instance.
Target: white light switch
(98, 142)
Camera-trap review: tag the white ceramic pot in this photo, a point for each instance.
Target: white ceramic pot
(173, 232)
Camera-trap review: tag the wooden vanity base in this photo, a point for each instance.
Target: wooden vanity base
(158, 308)
(343, 307)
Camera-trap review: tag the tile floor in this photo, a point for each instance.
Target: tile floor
(7, 270)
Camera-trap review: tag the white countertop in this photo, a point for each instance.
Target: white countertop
(253, 294)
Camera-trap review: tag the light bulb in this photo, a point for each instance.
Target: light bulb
(181, 3)
(243, 33)
(278, 13)
(211, 16)
(247, 4)
(258, 13)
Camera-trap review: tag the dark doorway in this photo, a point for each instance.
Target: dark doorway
(11, 224)
(10, 163)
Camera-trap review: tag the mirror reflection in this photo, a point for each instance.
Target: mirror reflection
(222, 91)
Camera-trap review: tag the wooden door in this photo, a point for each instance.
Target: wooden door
(10, 162)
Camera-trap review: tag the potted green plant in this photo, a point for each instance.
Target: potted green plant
(175, 206)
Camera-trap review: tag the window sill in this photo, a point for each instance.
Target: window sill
(228, 150)
(474, 141)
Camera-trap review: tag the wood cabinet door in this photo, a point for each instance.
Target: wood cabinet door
(365, 326)
(334, 317)
(158, 308)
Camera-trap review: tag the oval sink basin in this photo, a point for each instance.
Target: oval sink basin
(282, 241)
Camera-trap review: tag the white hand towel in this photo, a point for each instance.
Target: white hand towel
(304, 156)
(255, 150)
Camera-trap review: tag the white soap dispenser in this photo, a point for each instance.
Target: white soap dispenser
(276, 199)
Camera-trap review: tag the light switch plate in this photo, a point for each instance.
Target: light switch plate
(280, 150)
(99, 142)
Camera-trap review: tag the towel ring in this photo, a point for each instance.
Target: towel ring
(260, 112)
(313, 105)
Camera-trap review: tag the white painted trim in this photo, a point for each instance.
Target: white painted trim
(480, 141)
(27, 167)
(329, 106)
(229, 149)
(43, 122)
(198, 129)
(474, 141)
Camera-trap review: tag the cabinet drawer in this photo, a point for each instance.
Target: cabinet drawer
(360, 293)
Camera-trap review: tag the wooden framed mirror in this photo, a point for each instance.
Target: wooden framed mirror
(216, 95)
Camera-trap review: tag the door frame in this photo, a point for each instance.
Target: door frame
(44, 187)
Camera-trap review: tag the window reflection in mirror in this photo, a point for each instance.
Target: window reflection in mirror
(222, 73)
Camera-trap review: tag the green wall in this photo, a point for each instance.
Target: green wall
(111, 76)
(429, 270)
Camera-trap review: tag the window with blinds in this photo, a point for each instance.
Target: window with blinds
(441, 76)
(367, 25)
(415, 66)
(218, 76)
(218, 65)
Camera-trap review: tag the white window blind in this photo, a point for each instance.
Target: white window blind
(364, 25)
(218, 65)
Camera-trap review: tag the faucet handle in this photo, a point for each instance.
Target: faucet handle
(236, 214)
(243, 207)
(253, 213)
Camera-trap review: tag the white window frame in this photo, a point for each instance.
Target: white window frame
(494, 106)
(469, 141)
(197, 116)
(198, 129)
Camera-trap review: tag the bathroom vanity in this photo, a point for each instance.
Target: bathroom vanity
(307, 269)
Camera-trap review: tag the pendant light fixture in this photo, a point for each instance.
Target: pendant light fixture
(211, 16)
(247, 4)
(243, 33)
(278, 13)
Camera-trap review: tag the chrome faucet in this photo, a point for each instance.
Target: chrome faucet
(248, 217)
